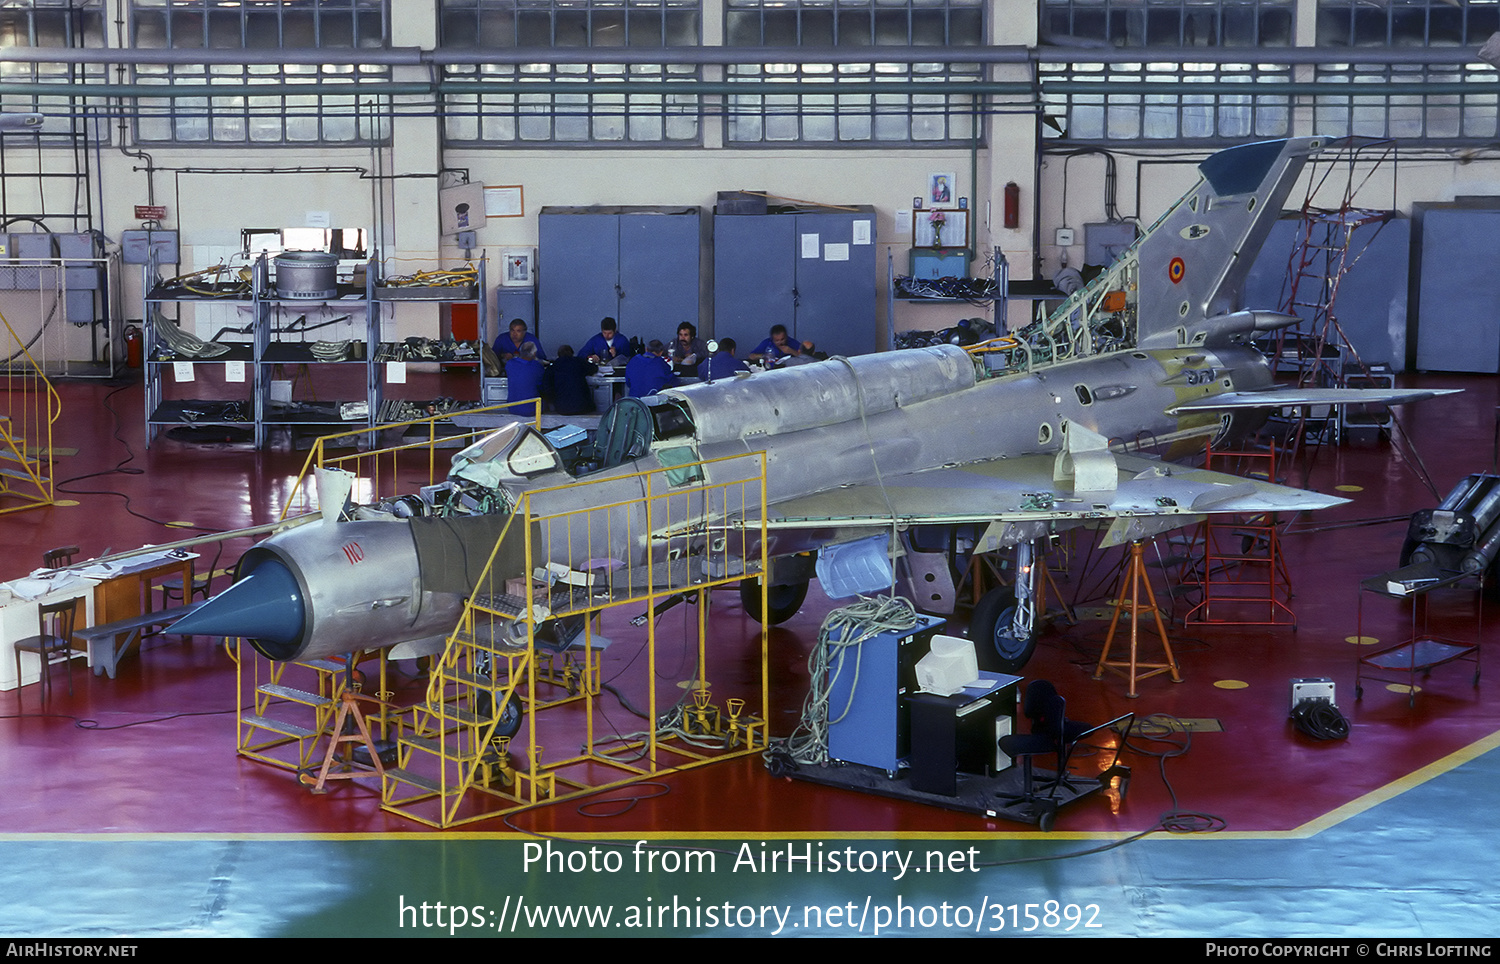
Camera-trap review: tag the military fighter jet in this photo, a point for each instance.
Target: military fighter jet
(1059, 425)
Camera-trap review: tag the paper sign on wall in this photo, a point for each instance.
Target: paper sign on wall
(835, 252)
(182, 371)
(395, 373)
(861, 232)
(809, 246)
(504, 201)
(234, 371)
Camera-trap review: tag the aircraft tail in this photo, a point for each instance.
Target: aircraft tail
(1181, 283)
(1193, 262)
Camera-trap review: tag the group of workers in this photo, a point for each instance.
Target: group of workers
(563, 382)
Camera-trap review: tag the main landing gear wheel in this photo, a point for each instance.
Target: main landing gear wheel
(782, 602)
(990, 627)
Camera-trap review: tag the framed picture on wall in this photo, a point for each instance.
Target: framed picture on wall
(940, 189)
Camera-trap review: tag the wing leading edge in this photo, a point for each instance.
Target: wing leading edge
(1149, 497)
(1289, 397)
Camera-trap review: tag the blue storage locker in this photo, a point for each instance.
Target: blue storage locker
(1371, 305)
(637, 265)
(1458, 290)
(803, 270)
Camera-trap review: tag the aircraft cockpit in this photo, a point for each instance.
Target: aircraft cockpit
(628, 429)
(516, 452)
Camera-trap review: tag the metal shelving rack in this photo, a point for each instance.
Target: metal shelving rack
(261, 355)
(999, 301)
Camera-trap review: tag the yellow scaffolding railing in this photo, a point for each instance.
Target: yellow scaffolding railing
(383, 472)
(27, 413)
(681, 531)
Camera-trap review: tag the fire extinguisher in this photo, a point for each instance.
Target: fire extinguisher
(1012, 205)
(133, 346)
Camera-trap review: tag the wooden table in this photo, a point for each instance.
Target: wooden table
(122, 592)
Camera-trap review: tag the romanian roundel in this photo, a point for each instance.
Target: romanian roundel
(1176, 270)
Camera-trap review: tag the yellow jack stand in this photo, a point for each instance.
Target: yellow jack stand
(736, 729)
(500, 772)
(1131, 582)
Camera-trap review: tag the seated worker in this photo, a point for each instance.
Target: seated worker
(688, 351)
(608, 345)
(777, 347)
(509, 345)
(723, 364)
(566, 384)
(648, 373)
(524, 374)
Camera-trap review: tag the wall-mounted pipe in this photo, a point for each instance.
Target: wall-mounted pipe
(1117, 86)
(414, 56)
(389, 88)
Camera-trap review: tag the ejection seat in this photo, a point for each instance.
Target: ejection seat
(628, 429)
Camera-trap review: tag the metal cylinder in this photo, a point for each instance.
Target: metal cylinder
(1485, 510)
(306, 275)
(1478, 559)
(1461, 493)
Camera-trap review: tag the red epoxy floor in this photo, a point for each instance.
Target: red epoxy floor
(176, 771)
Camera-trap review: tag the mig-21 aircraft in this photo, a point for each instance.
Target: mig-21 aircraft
(1071, 421)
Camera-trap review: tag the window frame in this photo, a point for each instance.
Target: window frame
(1155, 103)
(83, 26)
(823, 116)
(333, 112)
(552, 115)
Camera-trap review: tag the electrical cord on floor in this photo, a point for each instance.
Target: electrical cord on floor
(119, 469)
(1164, 728)
(619, 806)
(90, 724)
(1320, 720)
(1158, 728)
(87, 723)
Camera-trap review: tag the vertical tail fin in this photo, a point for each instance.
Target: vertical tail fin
(1192, 263)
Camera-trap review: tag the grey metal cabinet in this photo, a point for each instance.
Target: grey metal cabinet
(512, 304)
(637, 265)
(1458, 293)
(811, 271)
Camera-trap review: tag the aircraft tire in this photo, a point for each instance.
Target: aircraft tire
(510, 718)
(782, 602)
(995, 648)
(510, 714)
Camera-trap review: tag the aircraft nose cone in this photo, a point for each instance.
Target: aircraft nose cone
(265, 607)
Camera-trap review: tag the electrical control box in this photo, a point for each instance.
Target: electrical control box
(869, 721)
(137, 246)
(39, 261)
(1318, 689)
(1103, 242)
